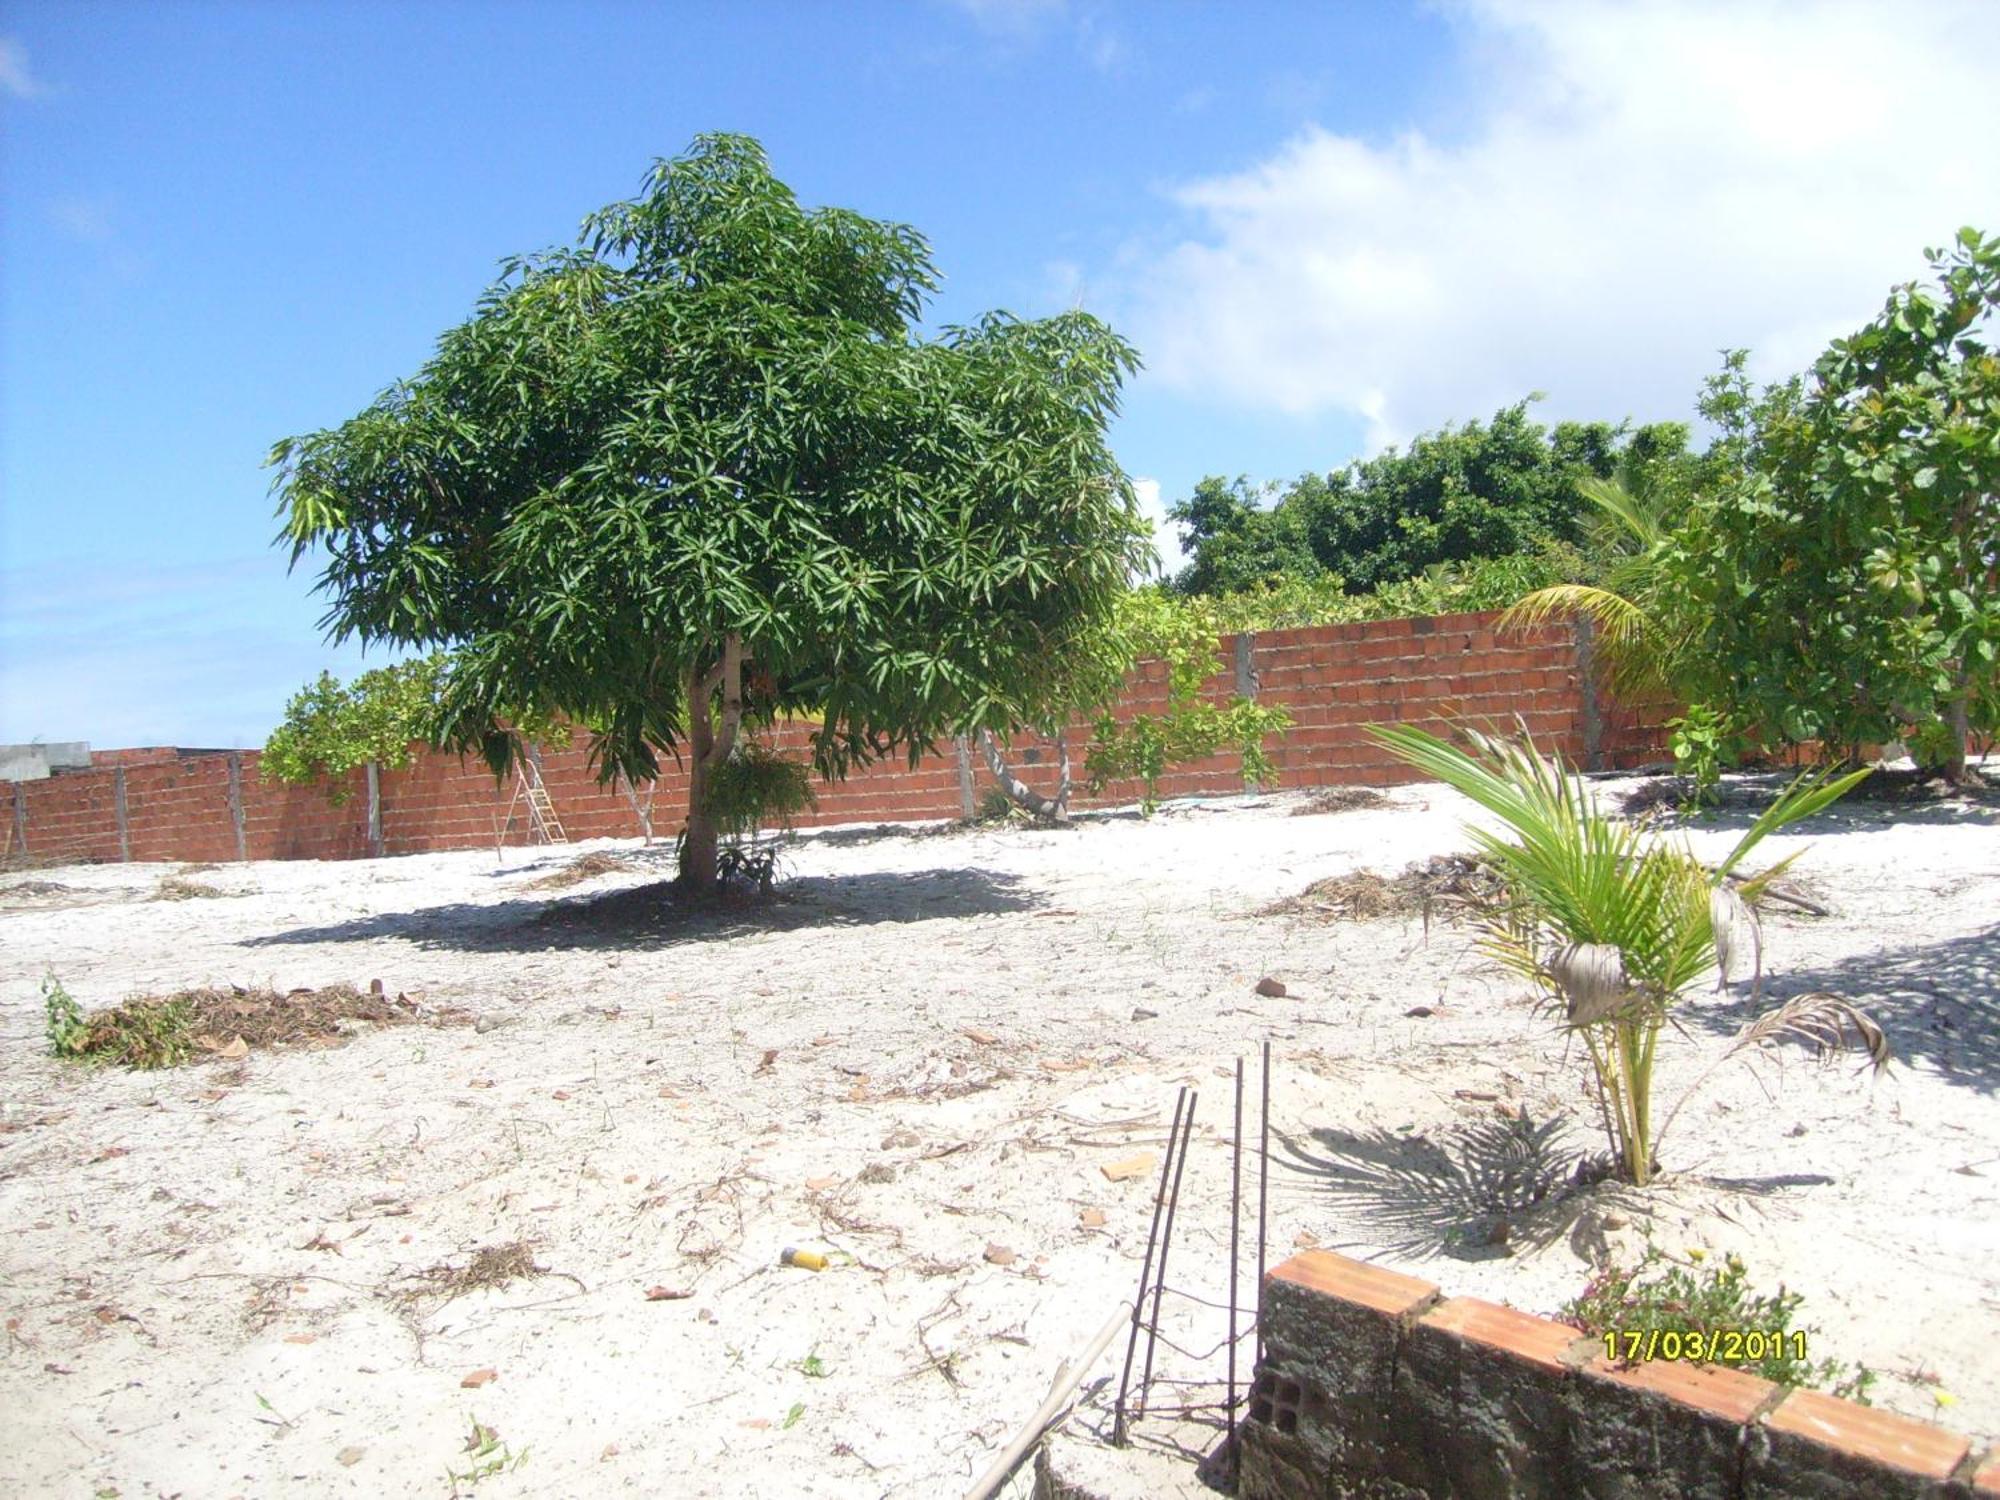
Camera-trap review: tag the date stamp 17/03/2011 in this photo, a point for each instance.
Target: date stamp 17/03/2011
(1714, 1346)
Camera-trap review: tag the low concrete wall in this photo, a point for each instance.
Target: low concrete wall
(1373, 1384)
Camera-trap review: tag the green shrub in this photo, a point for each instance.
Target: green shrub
(64, 1024)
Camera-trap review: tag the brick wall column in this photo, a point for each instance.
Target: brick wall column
(118, 811)
(236, 805)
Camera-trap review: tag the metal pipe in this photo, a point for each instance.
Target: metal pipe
(1068, 1377)
(1145, 1276)
(1166, 1239)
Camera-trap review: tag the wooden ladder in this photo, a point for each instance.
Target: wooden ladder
(542, 817)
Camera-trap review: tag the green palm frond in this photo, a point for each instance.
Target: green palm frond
(1613, 926)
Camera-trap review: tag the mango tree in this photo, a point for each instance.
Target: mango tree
(699, 470)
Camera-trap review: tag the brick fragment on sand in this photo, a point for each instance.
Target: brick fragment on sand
(1131, 1166)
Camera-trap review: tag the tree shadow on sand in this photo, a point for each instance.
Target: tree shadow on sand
(1486, 1189)
(655, 916)
(1939, 1003)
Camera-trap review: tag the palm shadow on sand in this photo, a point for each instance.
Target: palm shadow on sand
(1484, 1189)
(1938, 1003)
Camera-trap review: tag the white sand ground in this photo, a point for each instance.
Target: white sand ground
(202, 1271)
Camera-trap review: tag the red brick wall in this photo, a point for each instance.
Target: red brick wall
(1332, 680)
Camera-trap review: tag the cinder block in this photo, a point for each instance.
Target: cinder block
(1320, 1410)
(1662, 1430)
(1480, 1404)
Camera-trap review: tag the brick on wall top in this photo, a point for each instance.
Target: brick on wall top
(1881, 1436)
(1373, 1287)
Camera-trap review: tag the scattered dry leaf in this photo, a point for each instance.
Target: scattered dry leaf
(348, 1457)
(666, 1294)
(478, 1378)
(984, 1038)
(480, 1083)
(999, 1255)
(1091, 1218)
(770, 1058)
(1072, 1065)
(1305, 1239)
(821, 1184)
(301, 1338)
(760, 1423)
(560, 1094)
(234, 1049)
(112, 1153)
(1275, 988)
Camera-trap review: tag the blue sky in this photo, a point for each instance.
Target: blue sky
(1327, 227)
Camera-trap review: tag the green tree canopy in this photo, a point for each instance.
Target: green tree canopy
(1849, 568)
(700, 468)
(1477, 491)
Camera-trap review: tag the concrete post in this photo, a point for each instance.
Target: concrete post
(1246, 671)
(236, 805)
(967, 807)
(1584, 632)
(374, 811)
(118, 807)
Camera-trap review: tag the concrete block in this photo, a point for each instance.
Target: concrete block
(1480, 1404)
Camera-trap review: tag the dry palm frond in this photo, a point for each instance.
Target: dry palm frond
(1734, 925)
(1823, 1019)
(1592, 980)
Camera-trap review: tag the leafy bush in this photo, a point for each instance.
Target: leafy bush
(1184, 635)
(331, 728)
(64, 1023)
(1714, 1299)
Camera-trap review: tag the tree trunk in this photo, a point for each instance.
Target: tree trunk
(1055, 809)
(709, 744)
(1957, 719)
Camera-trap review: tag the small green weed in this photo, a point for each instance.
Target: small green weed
(813, 1367)
(486, 1455)
(792, 1417)
(1711, 1299)
(65, 1026)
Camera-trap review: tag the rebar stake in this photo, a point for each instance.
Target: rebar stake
(1263, 1198)
(1145, 1277)
(1166, 1240)
(1235, 1239)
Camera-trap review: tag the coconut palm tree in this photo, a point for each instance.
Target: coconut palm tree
(1616, 927)
(1646, 643)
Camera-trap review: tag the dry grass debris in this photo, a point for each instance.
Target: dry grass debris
(164, 1031)
(1447, 887)
(180, 888)
(1336, 799)
(489, 1268)
(583, 867)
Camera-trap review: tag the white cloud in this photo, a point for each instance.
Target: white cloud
(1018, 24)
(1012, 18)
(15, 77)
(1639, 187)
(1166, 535)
